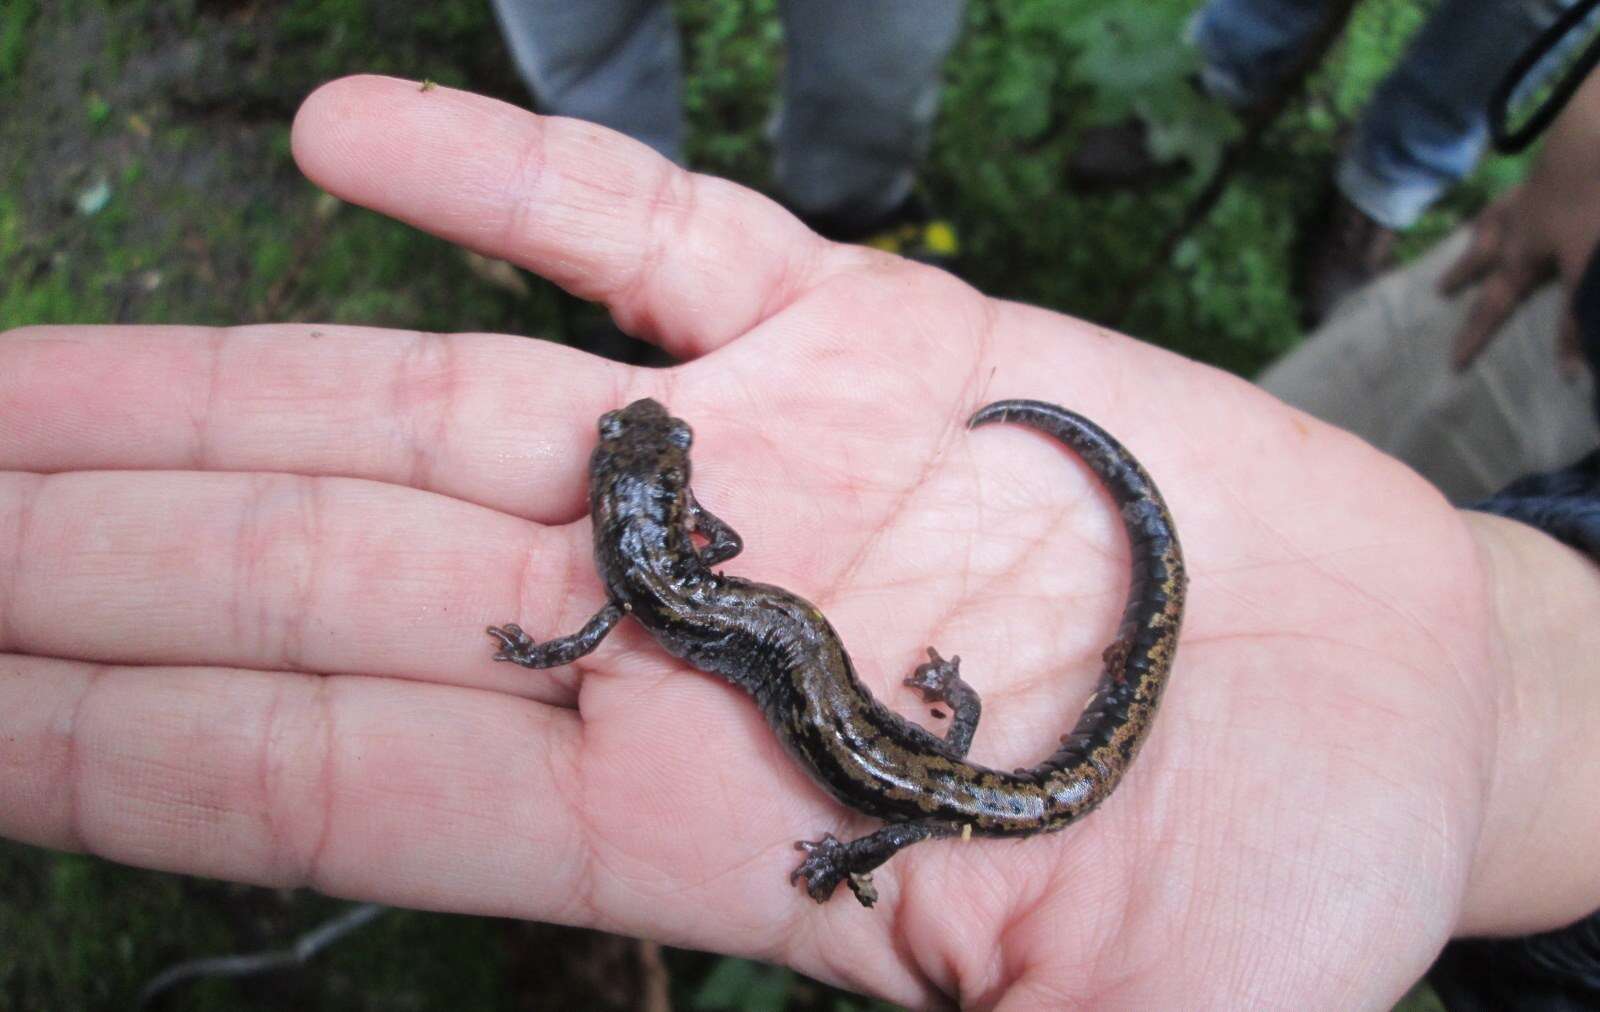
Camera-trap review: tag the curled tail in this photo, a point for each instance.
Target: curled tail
(1093, 757)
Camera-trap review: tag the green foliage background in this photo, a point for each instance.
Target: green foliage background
(144, 153)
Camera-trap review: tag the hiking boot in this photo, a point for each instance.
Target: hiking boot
(1341, 251)
(1117, 157)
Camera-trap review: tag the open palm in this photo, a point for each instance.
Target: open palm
(248, 573)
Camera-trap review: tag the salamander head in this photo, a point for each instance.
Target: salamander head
(642, 443)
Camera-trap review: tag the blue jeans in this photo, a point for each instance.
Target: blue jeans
(1427, 125)
(860, 86)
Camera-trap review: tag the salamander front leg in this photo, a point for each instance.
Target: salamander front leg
(723, 542)
(939, 681)
(829, 862)
(518, 647)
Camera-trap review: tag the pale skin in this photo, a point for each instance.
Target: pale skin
(246, 574)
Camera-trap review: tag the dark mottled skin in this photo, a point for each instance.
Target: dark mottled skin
(781, 650)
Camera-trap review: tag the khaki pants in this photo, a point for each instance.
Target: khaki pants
(1380, 368)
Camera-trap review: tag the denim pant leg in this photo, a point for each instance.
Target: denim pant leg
(1428, 124)
(860, 91)
(612, 62)
(1247, 46)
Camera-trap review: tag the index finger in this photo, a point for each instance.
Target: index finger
(1479, 258)
(688, 261)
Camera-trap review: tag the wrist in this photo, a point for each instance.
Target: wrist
(1537, 864)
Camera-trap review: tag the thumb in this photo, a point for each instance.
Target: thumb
(1481, 255)
(1569, 356)
(1496, 299)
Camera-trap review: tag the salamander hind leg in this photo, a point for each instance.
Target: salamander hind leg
(518, 647)
(939, 681)
(829, 861)
(723, 542)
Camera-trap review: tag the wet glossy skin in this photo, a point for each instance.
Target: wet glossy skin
(781, 650)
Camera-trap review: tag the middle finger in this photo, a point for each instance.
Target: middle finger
(475, 416)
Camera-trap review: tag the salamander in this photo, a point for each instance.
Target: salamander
(780, 649)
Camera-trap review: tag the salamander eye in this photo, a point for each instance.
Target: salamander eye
(680, 436)
(611, 425)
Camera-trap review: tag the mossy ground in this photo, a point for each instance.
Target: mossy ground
(144, 153)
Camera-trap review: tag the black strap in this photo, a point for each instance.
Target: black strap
(1511, 141)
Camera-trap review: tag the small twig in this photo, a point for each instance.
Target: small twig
(1257, 122)
(306, 946)
(655, 985)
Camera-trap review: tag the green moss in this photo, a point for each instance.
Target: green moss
(10, 229)
(1421, 998)
(731, 58)
(15, 17)
(63, 945)
(76, 951)
(96, 109)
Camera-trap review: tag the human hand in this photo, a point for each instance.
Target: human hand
(248, 573)
(1546, 228)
